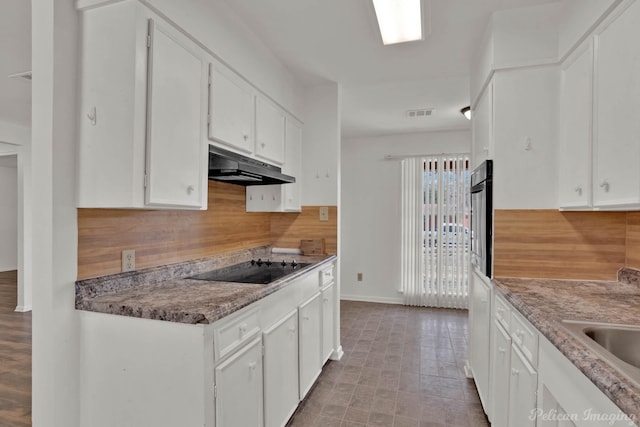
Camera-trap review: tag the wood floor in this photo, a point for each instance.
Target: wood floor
(15, 357)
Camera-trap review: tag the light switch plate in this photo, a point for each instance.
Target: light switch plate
(324, 213)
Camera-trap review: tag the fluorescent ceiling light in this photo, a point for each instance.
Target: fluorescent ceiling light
(399, 20)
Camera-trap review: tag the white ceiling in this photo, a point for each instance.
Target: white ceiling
(326, 40)
(338, 41)
(15, 57)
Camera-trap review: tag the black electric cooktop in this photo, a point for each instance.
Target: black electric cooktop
(255, 272)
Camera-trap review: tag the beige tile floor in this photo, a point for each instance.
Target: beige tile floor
(402, 367)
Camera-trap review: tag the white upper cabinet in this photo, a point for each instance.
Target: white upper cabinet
(617, 111)
(575, 129)
(269, 131)
(176, 151)
(292, 166)
(143, 112)
(481, 124)
(231, 109)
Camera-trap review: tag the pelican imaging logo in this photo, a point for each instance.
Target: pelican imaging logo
(588, 415)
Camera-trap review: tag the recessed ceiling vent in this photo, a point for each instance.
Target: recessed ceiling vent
(416, 114)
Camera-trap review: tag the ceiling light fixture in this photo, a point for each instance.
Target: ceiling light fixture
(466, 111)
(399, 20)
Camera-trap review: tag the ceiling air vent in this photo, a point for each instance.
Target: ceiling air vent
(423, 112)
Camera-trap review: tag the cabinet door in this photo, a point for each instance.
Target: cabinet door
(281, 371)
(269, 131)
(576, 108)
(239, 388)
(309, 318)
(328, 298)
(176, 149)
(617, 128)
(231, 106)
(292, 166)
(480, 324)
(501, 370)
(522, 391)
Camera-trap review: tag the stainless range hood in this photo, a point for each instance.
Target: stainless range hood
(227, 166)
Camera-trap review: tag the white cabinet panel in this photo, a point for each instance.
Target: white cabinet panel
(617, 128)
(480, 324)
(501, 359)
(576, 106)
(143, 105)
(231, 109)
(239, 388)
(522, 391)
(281, 371)
(328, 297)
(310, 324)
(481, 125)
(292, 166)
(176, 149)
(269, 131)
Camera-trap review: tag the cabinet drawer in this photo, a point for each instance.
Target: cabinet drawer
(502, 311)
(525, 337)
(326, 276)
(233, 333)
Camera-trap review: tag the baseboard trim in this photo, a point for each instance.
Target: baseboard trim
(383, 300)
(23, 308)
(337, 354)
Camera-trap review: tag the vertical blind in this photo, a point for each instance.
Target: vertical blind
(435, 231)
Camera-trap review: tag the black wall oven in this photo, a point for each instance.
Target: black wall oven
(482, 217)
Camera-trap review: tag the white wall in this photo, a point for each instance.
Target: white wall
(370, 209)
(8, 218)
(321, 145)
(55, 325)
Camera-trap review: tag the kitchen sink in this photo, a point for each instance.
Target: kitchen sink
(619, 345)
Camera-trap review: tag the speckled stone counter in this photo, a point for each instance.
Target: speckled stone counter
(164, 293)
(545, 303)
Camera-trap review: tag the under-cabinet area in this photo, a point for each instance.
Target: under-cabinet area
(532, 370)
(250, 367)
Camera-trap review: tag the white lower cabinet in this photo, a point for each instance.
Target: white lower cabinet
(328, 296)
(480, 327)
(514, 349)
(248, 369)
(309, 317)
(566, 397)
(501, 357)
(522, 390)
(239, 388)
(281, 371)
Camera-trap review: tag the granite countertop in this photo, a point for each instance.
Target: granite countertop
(164, 293)
(546, 302)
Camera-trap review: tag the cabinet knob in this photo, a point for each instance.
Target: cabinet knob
(190, 189)
(515, 372)
(605, 186)
(263, 145)
(306, 317)
(325, 299)
(252, 366)
(292, 329)
(242, 328)
(245, 137)
(578, 190)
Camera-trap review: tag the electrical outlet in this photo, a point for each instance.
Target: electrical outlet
(128, 260)
(324, 213)
(359, 277)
